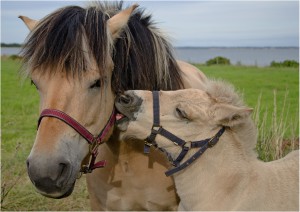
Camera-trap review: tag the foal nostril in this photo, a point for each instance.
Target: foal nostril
(124, 99)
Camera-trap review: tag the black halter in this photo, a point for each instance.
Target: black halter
(186, 146)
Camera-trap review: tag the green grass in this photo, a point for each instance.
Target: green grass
(253, 82)
(19, 114)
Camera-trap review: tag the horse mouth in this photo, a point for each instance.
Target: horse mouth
(68, 193)
(122, 121)
(58, 194)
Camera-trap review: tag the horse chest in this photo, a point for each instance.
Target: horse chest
(133, 181)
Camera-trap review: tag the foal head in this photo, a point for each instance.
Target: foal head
(189, 114)
(68, 57)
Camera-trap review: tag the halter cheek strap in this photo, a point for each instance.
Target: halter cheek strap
(150, 140)
(186, 146)
(94, 141)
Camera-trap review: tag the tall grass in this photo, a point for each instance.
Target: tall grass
(272, 127)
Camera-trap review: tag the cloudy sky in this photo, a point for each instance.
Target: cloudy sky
(188, 23)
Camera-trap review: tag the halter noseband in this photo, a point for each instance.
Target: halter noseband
(94, 141)
(186, 146)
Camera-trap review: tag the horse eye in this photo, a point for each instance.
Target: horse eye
(96, 84)
(181, 113)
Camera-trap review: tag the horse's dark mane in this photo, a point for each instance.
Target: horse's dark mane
(65, 39)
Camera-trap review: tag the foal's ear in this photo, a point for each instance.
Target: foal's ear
(30, 23)
(229, 115)
(119, 21)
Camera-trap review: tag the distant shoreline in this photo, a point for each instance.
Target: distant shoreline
(13, 45)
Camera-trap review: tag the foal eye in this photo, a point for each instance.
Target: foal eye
(181, 113)
(96, 84)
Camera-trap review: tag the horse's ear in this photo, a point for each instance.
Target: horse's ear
(30, 23)
(229, 115)
(119, 21)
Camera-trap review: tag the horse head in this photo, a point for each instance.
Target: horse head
(72, 71)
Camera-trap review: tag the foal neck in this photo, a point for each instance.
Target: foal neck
(222, 169)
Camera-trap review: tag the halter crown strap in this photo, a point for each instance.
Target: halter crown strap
(156, 112)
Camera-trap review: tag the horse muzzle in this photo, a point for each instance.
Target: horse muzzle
(54, 179)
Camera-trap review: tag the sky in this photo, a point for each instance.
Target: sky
(187, 23)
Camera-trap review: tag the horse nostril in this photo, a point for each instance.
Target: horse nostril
(27, 163)
(63, 172)
(124, 99)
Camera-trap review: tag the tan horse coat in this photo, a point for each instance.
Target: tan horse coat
(227, 176)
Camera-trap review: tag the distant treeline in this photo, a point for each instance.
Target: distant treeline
(11, 45)
(225, 61)
(286, 63)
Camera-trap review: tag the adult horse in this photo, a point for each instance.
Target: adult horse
(78, 59)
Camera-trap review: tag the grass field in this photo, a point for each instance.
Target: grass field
(253, 82)
(19, 113)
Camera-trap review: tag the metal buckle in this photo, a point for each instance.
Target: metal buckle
(187, 145)
(94, 146)
(209, 143)
(85, 169)
(148, 144)
(155, 128)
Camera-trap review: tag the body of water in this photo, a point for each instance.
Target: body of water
(10, 50)
(237, 56)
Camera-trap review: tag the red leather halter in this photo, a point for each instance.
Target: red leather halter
(94, 141)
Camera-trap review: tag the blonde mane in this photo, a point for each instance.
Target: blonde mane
(224, 92)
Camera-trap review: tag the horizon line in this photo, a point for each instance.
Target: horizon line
(188, 46)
